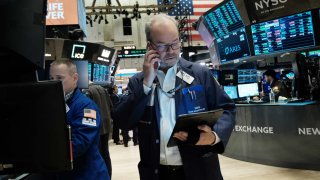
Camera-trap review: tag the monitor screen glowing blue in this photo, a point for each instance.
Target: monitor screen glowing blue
(231, 91)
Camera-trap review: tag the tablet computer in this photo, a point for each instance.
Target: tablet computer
(187, 122)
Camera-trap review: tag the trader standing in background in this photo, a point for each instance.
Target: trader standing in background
(162, 92)
(84, 118)
(102, 98)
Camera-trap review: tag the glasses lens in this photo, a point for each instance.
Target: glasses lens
(175, 46)
(162, 48)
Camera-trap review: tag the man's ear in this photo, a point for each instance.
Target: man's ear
(75, 77)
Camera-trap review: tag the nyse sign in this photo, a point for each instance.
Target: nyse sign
(253, 129)
(260, 5)
(309, 131)
(263, 10)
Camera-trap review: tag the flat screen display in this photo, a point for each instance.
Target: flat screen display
(229, 77)
(233, 46)
(231, 91)
(247, 90)
(90, 71)
(247, 76)
(83, 76)
(287, 33)
(223, 20)
(314, 53)
(100, 73)
(204, 33)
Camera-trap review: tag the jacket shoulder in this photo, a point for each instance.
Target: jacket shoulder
(83, 101)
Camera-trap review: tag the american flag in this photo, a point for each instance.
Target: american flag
(194, 8)
(90, 113)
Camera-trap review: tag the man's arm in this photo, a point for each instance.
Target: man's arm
(85, 128)
(131, 106)
(217, 98)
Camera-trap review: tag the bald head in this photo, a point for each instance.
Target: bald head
(160, 22)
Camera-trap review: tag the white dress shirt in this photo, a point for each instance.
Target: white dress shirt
(168, 155)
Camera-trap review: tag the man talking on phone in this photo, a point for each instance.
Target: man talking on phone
(168, 87)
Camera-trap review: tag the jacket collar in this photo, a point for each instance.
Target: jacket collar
(75, 93)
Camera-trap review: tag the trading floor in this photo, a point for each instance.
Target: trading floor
(125, 160)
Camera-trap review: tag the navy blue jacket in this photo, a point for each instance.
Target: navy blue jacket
(88, 163)
(200, 162)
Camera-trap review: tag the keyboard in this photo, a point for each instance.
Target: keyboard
(241, 102)
(257, 102)
(296, 100)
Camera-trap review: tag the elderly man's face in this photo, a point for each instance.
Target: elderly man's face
(165, 40)
(61, 73)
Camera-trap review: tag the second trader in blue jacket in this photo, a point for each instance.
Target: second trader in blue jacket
(84, 118)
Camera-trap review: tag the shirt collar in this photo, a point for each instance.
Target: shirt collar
(68, 96)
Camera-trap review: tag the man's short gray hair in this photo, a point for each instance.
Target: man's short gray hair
(72, 68)
(159, 18)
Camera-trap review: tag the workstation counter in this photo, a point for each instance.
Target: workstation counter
(277, 134)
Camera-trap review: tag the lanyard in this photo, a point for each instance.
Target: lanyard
(171, 92)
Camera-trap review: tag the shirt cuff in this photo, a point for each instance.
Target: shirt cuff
(146, 89)
(217, 139)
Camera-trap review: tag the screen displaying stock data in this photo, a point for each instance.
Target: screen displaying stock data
(233, 46)
(287, 33)
(247, 76)
(100, 73)
(223, 20)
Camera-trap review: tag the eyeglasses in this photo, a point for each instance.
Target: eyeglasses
(164, 48)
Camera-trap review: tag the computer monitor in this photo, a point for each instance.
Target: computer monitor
(283, 34)
(101, 74)
(247, 76)
(83, 74)
(90, 71)
(229, 77)
(248, 90)
(314, 53)
(33, 133)
(223, 19)
(233, 46)
(22, 39)
(204, 33)
(231, 91)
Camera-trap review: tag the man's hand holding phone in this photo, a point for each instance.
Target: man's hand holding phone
(150, 65)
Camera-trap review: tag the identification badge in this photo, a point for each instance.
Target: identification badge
(194, 99)
(89, 122)
(185, 77)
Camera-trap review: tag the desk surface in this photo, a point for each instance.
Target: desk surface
(280, 104)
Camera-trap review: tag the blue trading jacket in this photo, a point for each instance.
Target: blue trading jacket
(88, 163)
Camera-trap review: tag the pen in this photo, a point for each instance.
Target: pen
(190, 94)
(194, 94)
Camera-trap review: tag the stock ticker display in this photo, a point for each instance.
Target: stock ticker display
(89, 71)
(223, 20)
(100, 73)
(247, 76)
(233, 46)
(290, 32)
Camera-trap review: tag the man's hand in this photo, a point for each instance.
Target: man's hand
(150, 67)
(207, 137)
